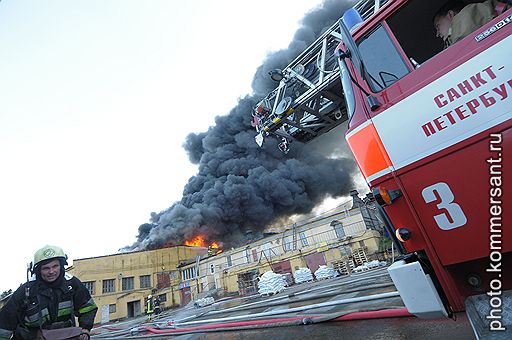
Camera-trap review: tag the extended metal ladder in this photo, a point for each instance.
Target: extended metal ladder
(308, 101)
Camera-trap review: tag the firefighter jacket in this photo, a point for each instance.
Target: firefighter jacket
(470, 18)
(46, 307)
(150, 306)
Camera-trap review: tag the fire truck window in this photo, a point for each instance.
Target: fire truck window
(413, 28)
(381, 59)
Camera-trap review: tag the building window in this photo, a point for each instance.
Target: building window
(287, 244)
(230, 262)
(303, 239)
(90, 285)
(255, 255)
(338, 228)
(248, 255)
(267, 250)
(162, 281)
(212, 268)
(189, 273)
(162, 297)
(145, 281)
(128, 283)
(173, 275)
(112, 308)
(109, 286)
(361, 244)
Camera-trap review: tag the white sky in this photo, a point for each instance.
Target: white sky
(96, 98)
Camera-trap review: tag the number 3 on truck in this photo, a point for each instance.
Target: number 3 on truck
(452, 215)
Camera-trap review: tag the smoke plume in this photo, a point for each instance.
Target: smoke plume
(240, 186)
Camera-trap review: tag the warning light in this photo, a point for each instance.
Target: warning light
(386, 197)
(403, 234)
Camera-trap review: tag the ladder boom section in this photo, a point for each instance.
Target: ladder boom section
(308, 100)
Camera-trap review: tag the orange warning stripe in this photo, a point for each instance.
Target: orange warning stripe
(369, 151)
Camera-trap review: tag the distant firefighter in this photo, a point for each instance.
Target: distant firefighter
(150, 307)
(157, 305)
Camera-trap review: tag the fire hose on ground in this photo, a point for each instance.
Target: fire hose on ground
(306, 298)
(244, 322)
(297, 309)
(276, 322)
(277, 298)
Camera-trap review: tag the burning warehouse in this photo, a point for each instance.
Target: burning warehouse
(342, 238)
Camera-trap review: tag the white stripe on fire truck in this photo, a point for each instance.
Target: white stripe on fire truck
(357, 129)
(379, 174)
(420, 126)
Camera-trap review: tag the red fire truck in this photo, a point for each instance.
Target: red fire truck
(430, 128)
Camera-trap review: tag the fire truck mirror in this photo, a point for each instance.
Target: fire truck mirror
(351, 45)
(346, 83)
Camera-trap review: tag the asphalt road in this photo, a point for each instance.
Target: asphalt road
(376, 329)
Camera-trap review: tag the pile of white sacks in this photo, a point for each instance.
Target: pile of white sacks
(373, 264)
(203, 302)
(271, 283)
(324, 272)
(370, 265)
(302, 275)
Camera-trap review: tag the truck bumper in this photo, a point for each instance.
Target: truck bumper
(417, 290)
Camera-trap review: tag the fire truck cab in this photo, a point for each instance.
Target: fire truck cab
(430, 128)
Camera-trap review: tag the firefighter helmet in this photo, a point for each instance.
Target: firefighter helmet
(49, 252)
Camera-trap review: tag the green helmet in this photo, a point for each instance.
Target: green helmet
(49, 252)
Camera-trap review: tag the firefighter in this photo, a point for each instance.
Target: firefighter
(157, 305)
(455, 20)
(49, 300)
(150, 306)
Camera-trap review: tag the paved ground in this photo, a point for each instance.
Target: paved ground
(378, 329)
(298, 297)
(357, 285)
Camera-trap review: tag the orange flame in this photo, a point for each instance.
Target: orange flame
(197, 241)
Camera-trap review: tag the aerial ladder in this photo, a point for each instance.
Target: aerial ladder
(308, 100)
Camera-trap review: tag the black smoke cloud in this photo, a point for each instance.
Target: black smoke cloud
(240, 186)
